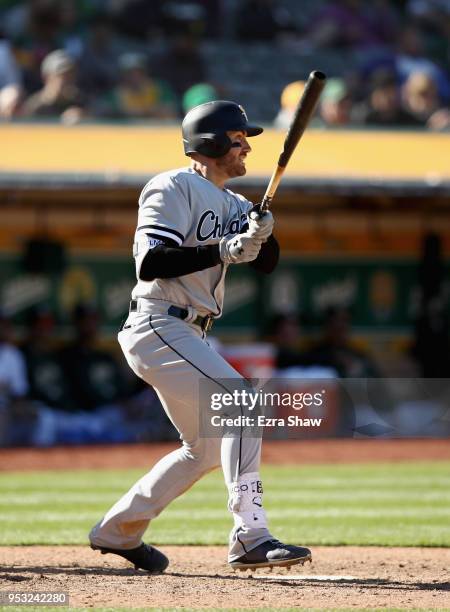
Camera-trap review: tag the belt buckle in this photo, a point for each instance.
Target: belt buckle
(207, 323)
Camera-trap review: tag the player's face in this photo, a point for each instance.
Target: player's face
(233, 163)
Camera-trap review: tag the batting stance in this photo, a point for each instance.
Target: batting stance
(190, 229)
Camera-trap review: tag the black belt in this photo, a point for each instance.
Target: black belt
(205, 323)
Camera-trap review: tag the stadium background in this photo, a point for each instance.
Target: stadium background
(363, 220)
(362, 214)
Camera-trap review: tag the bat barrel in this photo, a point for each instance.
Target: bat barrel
(303, 113)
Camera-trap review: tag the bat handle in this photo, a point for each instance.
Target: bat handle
(259, 209)
(264, 206)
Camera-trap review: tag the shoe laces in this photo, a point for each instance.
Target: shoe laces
(277, 542)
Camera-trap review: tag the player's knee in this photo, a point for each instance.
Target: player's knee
(205, 452)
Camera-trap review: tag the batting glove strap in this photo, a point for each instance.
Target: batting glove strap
(241, 248)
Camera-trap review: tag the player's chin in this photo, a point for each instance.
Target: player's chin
(241, 169)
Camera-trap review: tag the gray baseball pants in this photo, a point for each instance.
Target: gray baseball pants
(174, 356)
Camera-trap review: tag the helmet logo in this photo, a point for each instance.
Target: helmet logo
(243, 112)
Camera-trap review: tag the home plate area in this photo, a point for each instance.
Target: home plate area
(291, 577)
(199, 577)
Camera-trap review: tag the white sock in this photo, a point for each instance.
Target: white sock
(245, 501)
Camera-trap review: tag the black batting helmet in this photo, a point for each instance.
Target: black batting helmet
(205, 127)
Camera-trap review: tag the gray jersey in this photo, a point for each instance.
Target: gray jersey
(192, 211)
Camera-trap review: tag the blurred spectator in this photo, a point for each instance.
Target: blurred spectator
(60, 96)
(15, 416)
(440, 120)
(71, 27)
(94, 376)
(34, 28)
(383, 107)
(13, 381)
(181, 65)
(148, 21)
(262, 20)
(139, 19)
(336, 351)
(411, 57)
(91, 33)
(98, 58)
(198, 94)
(432, 326)
(98, 74)
(421, 98)
(284, 333)
(352, 23)
(335, 104)
(290, 97)
(433, 18)
(334, 110)
(138, 95)
(46, 378)
(214, 17)
(429, 11)
(79, 393)
(200, 18)
(10, 81)
(408, 56)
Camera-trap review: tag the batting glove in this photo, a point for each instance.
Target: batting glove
(260, 226)
(240, 248)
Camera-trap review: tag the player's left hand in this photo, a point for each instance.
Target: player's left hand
(260, 226)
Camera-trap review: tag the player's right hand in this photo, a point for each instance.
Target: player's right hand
(240, 248)
(260, 226)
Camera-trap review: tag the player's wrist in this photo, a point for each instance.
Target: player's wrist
(224, 251)
(212, 252)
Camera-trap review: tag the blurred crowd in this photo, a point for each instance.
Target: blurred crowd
(122, 59)
(74, 392)
(78, 392)
(76, 60)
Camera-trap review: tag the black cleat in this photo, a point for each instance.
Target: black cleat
(272, 553)
(143, 557)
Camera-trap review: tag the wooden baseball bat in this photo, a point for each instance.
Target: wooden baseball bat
(302, 115)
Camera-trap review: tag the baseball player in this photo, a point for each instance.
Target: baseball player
(190, 229)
